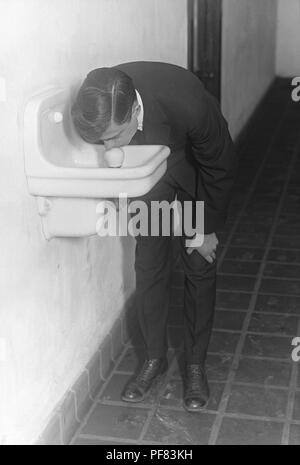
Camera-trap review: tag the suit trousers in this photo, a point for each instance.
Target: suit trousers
(153, 261)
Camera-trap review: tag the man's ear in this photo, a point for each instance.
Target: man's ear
(136, 109)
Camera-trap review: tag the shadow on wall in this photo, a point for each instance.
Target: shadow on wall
(128, 244)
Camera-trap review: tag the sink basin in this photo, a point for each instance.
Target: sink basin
(58, 163)
(143, 166)
(71, 178)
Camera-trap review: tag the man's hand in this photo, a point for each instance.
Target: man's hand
(208, 248)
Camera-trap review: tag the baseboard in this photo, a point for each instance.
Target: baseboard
(71, 410)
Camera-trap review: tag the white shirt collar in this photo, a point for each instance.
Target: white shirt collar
(140, 117)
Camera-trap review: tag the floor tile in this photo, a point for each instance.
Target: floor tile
(287, 229)
(289, 207)
(288, 219)
(266, 205)
(117, 422)
(284, 256)
(280, 324)
(249, 432)
(294, 439)
(174, 427)
(244, 253)
(278, 304)
(253, 228)
(172, 395)
(296, 413)
(258, 401)
(256, 216)
(235, 283)
(114, 387)
(279, 286)
(292, 242)
(226, 319)
(223, 342)
(267, 346)
(240, 267)
(218, 366)
(233, 300)
(265, 372)
(252, 240)
(131, 360)
(292, 198)
(282, 271)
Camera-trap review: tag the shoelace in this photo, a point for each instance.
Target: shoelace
(143, 376)
(194, 377)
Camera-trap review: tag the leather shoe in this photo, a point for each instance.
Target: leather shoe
(137, 389)
(196, 390)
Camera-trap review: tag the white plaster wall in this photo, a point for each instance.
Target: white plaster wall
(288, 38)
(248, 57)
(59, 299)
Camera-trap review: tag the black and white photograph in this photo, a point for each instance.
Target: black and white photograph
(149, 225)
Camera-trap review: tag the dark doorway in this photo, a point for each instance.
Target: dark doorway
(204, 42)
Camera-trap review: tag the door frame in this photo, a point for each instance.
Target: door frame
(205, 42)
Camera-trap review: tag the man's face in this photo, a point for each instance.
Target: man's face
(117, 135)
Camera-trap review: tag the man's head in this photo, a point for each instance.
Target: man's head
(106, 108)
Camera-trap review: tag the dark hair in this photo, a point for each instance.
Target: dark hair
(106, 95)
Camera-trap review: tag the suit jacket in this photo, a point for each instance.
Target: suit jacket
(180, 113)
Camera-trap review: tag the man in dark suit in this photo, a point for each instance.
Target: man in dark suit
(159, 103)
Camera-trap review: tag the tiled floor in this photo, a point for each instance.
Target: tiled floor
(255, 385)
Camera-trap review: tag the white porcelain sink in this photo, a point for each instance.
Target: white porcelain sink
(70, 177)
(58, 163)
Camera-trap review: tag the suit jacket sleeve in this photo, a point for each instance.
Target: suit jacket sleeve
(214, 153)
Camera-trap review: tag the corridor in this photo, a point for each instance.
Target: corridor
(255, 384)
